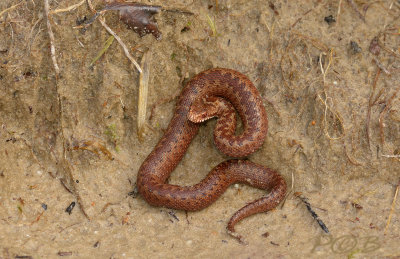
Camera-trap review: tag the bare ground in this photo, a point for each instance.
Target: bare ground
(334, 129)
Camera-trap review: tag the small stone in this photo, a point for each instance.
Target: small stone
(354, 47)
(329, 19)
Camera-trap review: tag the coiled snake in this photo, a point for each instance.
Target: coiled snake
(213, 93)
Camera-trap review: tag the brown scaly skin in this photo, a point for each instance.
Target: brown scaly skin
(215, 92)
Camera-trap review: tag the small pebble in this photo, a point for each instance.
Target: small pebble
(266, 234)
(374, 47)
(70, 208)
(329, 19)
(354, 47)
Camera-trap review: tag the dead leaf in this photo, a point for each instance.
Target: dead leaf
(138, 17)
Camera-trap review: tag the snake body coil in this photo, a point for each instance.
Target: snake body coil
(213, 93)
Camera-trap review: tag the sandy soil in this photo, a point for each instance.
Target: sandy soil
(333, 130)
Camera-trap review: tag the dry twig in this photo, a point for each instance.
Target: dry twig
(312, 212)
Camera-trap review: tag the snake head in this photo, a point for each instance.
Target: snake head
(204, 108)
(198, 115)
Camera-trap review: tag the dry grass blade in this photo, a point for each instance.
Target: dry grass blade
(10, 8)
(107, 44)
(392, 208)
(212, 26)
(143, 92)
(324, 71)
(69, 8)
(336, 117)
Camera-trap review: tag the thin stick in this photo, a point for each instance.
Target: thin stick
(69, 8)
(10, 8)
(126, 51)
(392, 208)
(51, 36)
(313, 214)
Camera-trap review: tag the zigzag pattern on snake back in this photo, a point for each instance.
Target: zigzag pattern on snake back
(213, 93)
